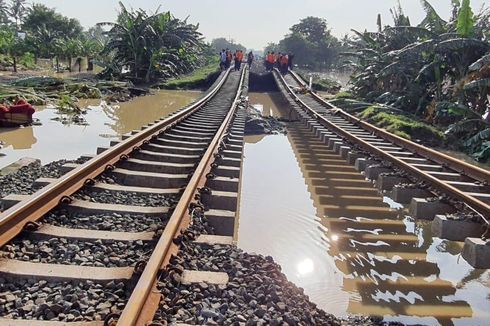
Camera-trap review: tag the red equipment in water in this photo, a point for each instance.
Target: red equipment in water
(16, 115)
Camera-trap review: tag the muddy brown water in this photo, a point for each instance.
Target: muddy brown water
(353, 250)
(53, 140)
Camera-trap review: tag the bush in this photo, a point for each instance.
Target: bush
(28, 60)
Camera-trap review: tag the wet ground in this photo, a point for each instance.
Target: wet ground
(353, 250)
(53, 140)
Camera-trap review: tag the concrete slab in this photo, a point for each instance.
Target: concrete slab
(455, 230)
(217, 278)
(21, 269)
(405, 195)
(47, 230)
(421, 208)
(222, 221)
(477, 252)
(214, 239)
(150, 179)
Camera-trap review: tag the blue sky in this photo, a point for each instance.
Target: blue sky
(254, 23)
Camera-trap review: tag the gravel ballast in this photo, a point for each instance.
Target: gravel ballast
(257, 293)
(97, 253)
(127, 198)
(106, 222)
(60, 301)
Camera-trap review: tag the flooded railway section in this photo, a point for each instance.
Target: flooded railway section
(103, 121)
(353, 250)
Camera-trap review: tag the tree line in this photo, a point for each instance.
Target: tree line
(139, 46)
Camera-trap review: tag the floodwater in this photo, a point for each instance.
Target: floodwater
(353, 250)
(54, 140)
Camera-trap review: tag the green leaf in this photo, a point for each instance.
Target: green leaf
(466, 20)
(481, 83)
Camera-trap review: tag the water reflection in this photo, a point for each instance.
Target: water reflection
(21, 138)
(53, 140)
(302, 202)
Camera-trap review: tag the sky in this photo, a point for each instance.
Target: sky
(254, 23)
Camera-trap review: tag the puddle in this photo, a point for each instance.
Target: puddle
(53, 140)
(353, 250)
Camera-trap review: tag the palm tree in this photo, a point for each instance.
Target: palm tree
(90, 48)
(18, 11)
(4, 12)
(70, 49)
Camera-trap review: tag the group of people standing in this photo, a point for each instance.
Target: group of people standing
(282, 61)
(226, 57)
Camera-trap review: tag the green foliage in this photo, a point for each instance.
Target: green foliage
(221, 43)
(151, 46)
(28, 60)
(312, 44)
(432, 21)
(199, 78)
(479, 145)
(466, 21)
(344, 95)
(403, 125)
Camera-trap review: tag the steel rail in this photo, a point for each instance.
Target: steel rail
(13, 220)
(476, 204)
(462, 167)
(131, 314)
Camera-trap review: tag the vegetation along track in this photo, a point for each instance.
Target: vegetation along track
(78, 250)
(452, 185)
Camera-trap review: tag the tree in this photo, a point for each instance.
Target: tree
(152, 46)
(11, 45)
(90, 48)
(4, 12)
(221, 43)
(312, 43)
(18, 11)
(69, 49)
(54, 23)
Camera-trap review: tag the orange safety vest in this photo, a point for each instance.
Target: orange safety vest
(229, 56)
(270, 58)
(284, 60)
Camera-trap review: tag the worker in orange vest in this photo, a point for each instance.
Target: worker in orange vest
(229, 57)
(271, 60)
(240, 59)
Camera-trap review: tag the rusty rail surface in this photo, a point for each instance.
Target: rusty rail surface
(450, 162)
(13, 220)
(462, 167)
(144, 299)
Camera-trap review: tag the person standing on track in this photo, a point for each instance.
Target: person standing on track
(271, 60)
(240, 59)
(284, 63)
(250, 59)
(222, 59)
(267, 61)
(229, 57)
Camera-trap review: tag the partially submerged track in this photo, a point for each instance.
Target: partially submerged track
(460, 180)
(167, 162)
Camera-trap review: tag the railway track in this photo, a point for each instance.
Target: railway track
(411, 171)
(87, 248)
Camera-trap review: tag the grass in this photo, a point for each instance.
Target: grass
(344, 94)
(403, 125)
(199, 78)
